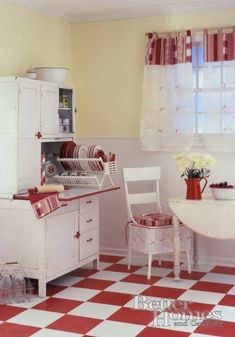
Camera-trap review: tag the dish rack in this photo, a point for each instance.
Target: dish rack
(94, 174)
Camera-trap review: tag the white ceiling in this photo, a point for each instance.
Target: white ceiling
(93, 10)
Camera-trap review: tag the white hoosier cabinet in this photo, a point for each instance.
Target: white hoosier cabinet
(37, 117)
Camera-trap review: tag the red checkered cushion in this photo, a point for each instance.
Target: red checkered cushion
(154, 220)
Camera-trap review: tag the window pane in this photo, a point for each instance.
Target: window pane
(228, 123)
(212, 75)
(229, 73)
(229, 101)
(211, 102)
(211, 123)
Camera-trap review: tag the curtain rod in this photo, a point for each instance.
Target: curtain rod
(192, 30)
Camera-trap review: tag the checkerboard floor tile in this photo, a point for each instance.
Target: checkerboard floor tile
(91, 303)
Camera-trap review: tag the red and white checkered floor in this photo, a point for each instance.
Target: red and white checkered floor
(114, 302)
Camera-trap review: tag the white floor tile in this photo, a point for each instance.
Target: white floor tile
(137, 261)
(109, 275)
(94, 310)
(200, 335)
(38, 318)
(116, 329)
(171, 321)
(155, 271)
(77, 294)
(66, 280)
(226, 313)
(34, 300)
(201, 296)
(219, 278)
(54, 333)
(127, 288)
(170, 283)
(232, 291)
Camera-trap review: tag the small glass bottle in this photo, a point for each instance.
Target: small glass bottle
(18, 285)
(5, 287)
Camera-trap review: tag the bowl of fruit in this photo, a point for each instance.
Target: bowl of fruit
(223, 191)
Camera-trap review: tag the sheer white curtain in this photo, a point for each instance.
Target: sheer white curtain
(168, 118)
(218, 105)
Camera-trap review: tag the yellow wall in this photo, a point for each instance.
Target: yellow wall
(29, 38)
(108, 62)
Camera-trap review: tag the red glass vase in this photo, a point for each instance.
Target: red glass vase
(194, 190)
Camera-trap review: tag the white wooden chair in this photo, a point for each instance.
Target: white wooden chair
(156, 238)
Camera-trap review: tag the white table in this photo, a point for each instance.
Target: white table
(208, 217)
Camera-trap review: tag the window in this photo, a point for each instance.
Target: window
(214, 88)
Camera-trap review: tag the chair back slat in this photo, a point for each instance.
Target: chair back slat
(142, 198)
(141, 173)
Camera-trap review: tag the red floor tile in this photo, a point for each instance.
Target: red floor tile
(129, 315)
(223, 270)
(57, 305)
(54, 289)
(195, 309)
(76, 324)
(142, 279)
(216, 328)
(83, 272)
(164, 292)
(16, 330)
(110, 258)
(108, 297)
(92, 283)
(122, 268)
(6, 312)
(228, 300)
(212, 286)
(155, 332)
(194, 275)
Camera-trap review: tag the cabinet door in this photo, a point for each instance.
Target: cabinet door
(49, 110)
(8, 106)
(29, 163)
(29, 108)
(61, 244)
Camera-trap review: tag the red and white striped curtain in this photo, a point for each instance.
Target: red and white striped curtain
(169, 48)
(219, 45)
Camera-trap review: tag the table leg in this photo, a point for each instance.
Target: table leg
(195, 251)
(176, 245)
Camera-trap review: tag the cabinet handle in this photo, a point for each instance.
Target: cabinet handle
(63, 205)
(88, 201)
(77, 235)
(89, 240)
(38, 135)
(89, 220)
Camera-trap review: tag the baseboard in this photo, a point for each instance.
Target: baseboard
(211, 260)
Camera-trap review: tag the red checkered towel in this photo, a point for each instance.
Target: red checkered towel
(44, 203)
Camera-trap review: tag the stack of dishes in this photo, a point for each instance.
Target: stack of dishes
(74, 151)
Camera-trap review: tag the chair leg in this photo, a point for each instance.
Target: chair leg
(129, 248)
(188, 260)
(149, 266)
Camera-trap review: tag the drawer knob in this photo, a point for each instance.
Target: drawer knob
(77, 235)
(88, 201)
(89, 220)
(64, 205)
(89, 240)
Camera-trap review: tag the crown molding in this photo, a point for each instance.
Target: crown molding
(129, 11)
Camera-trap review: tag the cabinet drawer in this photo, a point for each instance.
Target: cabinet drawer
(89, 204)
(88, 221)
(89, 243)
(66, 206)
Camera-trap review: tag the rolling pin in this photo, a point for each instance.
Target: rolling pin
(47, 188)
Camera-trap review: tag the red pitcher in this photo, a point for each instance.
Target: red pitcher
(194, 189)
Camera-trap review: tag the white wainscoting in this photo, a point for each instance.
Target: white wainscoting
(113, 215)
